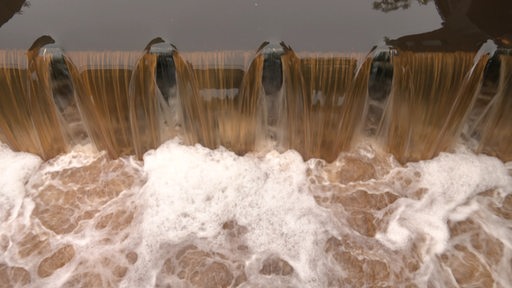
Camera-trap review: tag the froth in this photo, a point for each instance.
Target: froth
(451, 182)
(15, 170)
(194, 217)
(194, 191)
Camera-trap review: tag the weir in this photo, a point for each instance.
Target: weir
(495, 125)
(416, 104)
(334, 163)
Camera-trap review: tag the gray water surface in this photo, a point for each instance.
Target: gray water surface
(199, 25)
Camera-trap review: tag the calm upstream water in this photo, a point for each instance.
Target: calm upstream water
(344, 168)
(343, 26)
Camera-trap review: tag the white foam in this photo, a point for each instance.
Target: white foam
(80, 155)
(451, 180)
(194, 190)
(15, 170)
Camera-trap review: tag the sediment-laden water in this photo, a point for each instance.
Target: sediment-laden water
(228, 178)
(189, 216)
(264, 168)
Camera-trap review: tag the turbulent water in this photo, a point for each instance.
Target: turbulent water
(188, 216)
(260, 167)
(182, 214)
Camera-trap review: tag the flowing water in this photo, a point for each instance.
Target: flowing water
(191, 216)
(260, 168)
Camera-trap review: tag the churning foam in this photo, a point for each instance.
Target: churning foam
(188, 195)
(194, 190)
(15, 170)
(451, 181)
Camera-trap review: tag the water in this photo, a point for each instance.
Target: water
(191, 216)
(414, 111)
(220, 25)
(268, 167)
(494, 128)
(318, 104)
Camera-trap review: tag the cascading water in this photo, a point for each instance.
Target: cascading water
(315, 104)
(266, 168)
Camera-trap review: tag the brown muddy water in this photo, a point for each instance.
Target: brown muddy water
(322, 161)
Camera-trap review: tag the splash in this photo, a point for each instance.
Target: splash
(241, 169)
(192, 216)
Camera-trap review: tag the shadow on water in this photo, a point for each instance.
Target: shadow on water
(10, 7)
(466, 26)
(387, 5)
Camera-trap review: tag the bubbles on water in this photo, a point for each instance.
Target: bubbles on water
(194, 217)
